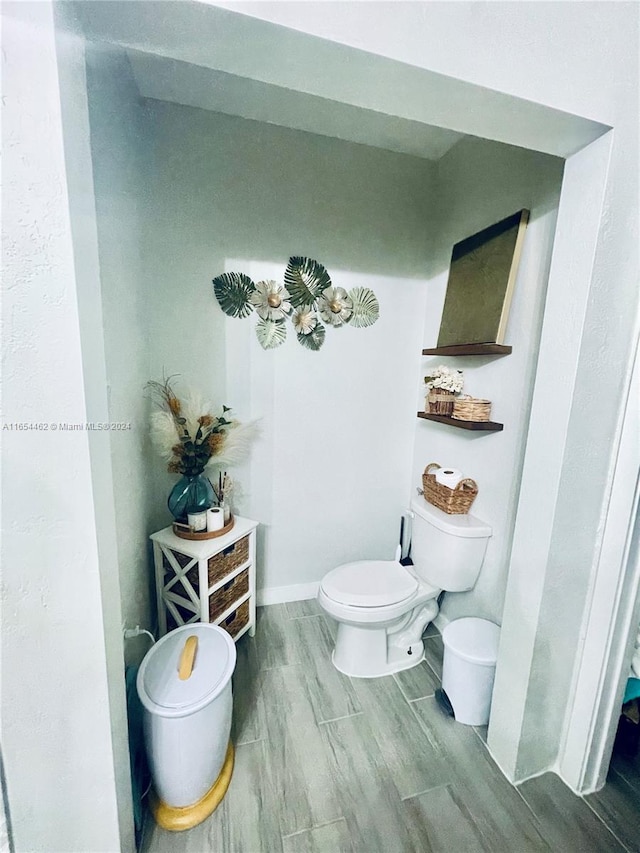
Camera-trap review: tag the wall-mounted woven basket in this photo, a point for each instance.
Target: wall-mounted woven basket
(452, 501)
(471, 409)
(439, 402)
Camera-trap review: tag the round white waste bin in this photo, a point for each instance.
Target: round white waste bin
(184, 684)
(470, 656)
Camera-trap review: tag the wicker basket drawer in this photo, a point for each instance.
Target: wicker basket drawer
(236, 621)
(223, 598)
(222, 564)
(226, 561)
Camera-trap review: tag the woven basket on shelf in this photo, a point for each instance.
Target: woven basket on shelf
(231, 591)
(235, 622)
(440, 402)
(471, 409)
(452, 501)
(224, 563)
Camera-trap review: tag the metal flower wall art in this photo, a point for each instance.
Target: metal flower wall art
(307, 298)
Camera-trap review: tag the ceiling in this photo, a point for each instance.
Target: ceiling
(193, 85)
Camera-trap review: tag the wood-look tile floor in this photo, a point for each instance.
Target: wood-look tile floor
(329, 763)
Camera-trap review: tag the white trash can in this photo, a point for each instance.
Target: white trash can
(184, 684)
(470, 656)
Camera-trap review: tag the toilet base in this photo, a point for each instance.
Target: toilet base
(389, 669)
(371, 650)
(372, 653)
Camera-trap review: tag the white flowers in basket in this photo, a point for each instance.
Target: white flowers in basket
(445, 379)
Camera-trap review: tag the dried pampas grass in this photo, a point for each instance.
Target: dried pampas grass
(164, 433)
(236, 445)
(190, 438)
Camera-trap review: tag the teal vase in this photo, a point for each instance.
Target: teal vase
(192, 493)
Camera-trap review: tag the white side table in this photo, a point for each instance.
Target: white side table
(210, 580)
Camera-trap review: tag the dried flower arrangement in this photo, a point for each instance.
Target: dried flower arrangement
(306, 297)
(445, 379)
(190, 437)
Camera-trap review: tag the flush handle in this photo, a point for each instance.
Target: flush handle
(187, 658)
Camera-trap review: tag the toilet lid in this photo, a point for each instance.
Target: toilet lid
(369, 583)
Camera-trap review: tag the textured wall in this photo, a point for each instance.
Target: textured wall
(119, 151)
(56, 736)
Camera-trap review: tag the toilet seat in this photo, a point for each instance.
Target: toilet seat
(369, 583)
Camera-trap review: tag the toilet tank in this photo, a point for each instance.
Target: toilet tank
(447, 550)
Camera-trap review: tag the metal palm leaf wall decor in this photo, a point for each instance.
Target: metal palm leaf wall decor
(307, 297)
(233, 291)
(305, 280)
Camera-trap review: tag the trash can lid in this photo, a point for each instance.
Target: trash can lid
(180, 675)
(474, 640)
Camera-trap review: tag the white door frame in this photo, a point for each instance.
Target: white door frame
(611, 619)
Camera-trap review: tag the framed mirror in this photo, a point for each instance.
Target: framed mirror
(482, 276)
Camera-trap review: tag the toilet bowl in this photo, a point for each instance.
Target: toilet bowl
(383, 608)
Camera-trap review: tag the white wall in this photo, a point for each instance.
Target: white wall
(119, 150)
(479, 183)
(56, 716)
(329, 477)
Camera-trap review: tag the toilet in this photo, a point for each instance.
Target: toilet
(382, 608)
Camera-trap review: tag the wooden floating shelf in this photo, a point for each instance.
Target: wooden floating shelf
(469, 349)
(478, 426)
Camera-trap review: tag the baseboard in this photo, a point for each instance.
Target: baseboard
(280, 594)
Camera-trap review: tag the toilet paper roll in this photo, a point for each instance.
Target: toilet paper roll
(215, 519)
(449, 477)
